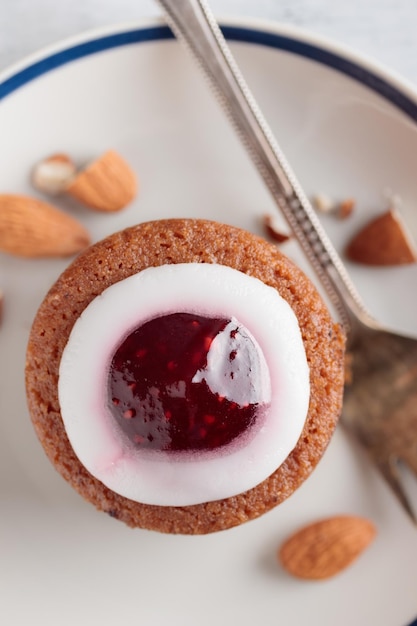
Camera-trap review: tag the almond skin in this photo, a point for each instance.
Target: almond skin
(273, 231)
(32, 228)
(107, 185)
(345, 208)
(326, 547)
(382, 241)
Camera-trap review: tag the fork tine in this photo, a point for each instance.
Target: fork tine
(389, 469)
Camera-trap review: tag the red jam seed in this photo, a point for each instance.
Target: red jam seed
(151, 390)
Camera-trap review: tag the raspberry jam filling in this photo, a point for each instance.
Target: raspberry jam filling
(184, 382)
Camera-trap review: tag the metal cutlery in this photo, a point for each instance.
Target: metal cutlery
(380, 404)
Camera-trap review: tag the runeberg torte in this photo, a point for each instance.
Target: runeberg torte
(192, 367)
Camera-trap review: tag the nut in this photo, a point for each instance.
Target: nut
(323, 203)
(382, 241)
(53, 174)
(32, 228)
(273, 230)
(326, 547)
(108, 184)
(345, 208)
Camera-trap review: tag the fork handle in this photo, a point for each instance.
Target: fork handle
(192, 21)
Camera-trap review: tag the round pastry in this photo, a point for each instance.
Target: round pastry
(184, 376)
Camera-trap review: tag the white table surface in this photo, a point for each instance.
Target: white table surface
(384, 30)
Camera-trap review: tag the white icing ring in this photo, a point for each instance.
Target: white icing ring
(204, 289)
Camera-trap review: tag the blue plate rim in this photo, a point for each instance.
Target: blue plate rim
(384, 83)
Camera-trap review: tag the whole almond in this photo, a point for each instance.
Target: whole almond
(382, 241)
(326, 547)
(32, 228)
(108, 184)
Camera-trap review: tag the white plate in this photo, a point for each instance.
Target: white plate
(349, 130)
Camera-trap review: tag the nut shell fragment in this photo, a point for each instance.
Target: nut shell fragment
(108, 184)
(326, 547)
(32, 228)
(383, 241)
(273, 230)
(345, 208)
(323, 203)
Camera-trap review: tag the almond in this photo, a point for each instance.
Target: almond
(382, 241)
(273, 230)
(108, 184)
(53, 174)
(326, 547)
(32, 228)
(345, 208)
(323, 203)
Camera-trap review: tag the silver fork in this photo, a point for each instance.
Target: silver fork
(380, 405)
